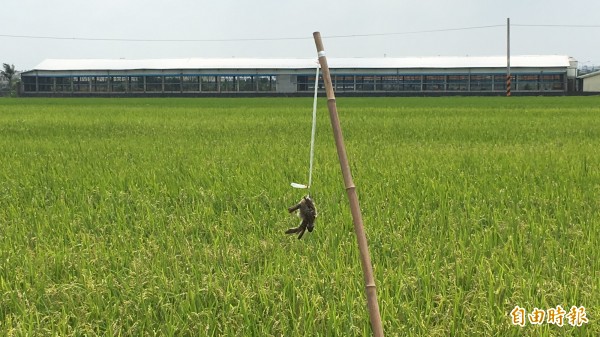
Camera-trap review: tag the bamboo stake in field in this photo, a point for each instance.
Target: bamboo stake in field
(365, 258)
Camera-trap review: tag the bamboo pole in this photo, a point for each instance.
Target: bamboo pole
(365, 258)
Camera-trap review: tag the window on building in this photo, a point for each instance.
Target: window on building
(154, 83)
(100, 84)
(481, 82)
(266, 83)
(208, 83)
(63, 84)
(386, 83)
(29, 83)
(81, 83)
(552, 82)
(500, 82)
(365, 83)
(46, 84)
(246, 83)
(458, 83)
(227, 83)
(409, 83)
(173, 83)
(434, 82)
(136, 83)
(190, 83)
(528, 82)
(343, 83)
(118, 84)
(306, 83)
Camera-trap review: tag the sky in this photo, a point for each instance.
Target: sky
(283, 29)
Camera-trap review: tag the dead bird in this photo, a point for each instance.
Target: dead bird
(307, 212)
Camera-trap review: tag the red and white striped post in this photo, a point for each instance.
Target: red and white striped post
(508, 75)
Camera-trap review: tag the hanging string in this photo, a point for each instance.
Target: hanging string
(314, 130)
(312, 136)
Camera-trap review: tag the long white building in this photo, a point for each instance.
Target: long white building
(535, 74)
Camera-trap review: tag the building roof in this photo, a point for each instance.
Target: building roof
(527, 61)
(592, 74)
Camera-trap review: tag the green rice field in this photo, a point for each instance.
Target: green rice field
(166, 217)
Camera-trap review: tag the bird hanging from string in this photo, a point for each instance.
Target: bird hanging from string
(307, 212)
(306, 207)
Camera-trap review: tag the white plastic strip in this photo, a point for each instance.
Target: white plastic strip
(296, 185)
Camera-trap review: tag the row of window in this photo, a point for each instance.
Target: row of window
(258, 83)
(149, 83)
(345, 83)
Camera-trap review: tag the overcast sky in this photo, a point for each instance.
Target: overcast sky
(274, 19)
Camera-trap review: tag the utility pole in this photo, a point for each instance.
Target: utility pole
(508, 75)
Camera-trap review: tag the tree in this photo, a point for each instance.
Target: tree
(9, 73)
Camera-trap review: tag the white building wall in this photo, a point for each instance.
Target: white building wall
(592, 83)
(286, 83)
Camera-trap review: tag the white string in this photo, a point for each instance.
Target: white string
(312, 136)
(314, 130)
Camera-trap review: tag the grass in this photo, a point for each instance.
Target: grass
(165, 217)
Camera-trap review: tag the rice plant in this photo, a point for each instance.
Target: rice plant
(166, 217)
